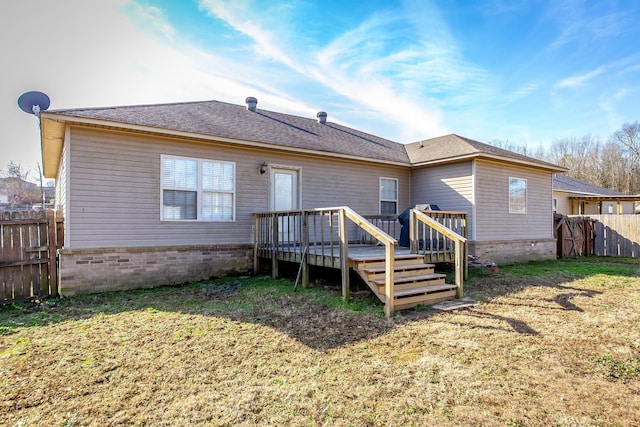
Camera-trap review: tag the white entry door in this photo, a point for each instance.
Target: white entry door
(285, 196)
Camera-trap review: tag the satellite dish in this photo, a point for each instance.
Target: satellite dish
(33, 102)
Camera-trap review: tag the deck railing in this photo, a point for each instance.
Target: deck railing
(387, 223)
(437, 235)
(322, 235)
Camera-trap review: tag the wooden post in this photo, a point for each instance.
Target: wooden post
(305, 258)
(256, 240)
(389, 264)
(344, 253)
(274, 247)
(465, 234)
(459, 268)
(413, 232)
(53, 254)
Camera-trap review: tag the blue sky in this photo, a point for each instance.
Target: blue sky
(526, 71)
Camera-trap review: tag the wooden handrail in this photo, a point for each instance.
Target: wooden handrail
(367, 226)
(460, 242)
(437, 226)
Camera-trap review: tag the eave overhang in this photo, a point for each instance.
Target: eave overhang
(493, 157)
(53, 128)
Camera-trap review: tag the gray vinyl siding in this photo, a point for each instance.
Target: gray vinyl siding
(448, 186)
(114, 180)
(493, 220)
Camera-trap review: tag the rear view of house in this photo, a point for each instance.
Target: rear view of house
(157, 194)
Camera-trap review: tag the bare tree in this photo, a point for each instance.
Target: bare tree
(21, 193)
(628, 138)
(578, 155)
(507, 144)
(611, 164)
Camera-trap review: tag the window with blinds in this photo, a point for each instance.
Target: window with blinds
(388, 196)
(197, 189)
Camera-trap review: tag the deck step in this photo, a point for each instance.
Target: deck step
(409, 285)
(371, 262)
(405, 267)
(411, 279)
(423, 290)
(428, 299)
(381, 258)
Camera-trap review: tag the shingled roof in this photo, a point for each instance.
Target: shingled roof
(572, 185)
(220, 119)
(214, 120)
(455, 147)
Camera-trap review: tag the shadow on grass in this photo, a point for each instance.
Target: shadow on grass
(316, 317)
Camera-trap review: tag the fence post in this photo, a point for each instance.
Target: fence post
(53, 253)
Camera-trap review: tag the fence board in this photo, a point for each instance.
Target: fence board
(29, 241)
(616, 235)
(574, 235)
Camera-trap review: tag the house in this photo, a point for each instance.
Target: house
(157, 194)
(574, 197)
(16, 193)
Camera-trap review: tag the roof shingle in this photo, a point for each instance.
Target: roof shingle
(220, 119)
(224, 120)
(452, 147)
(566, 183)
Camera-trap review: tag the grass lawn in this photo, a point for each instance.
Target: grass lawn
(551, 344)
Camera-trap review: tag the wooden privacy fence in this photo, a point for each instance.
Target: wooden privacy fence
(616, 235)
(29, 241)
(601, 235)
(574, 236)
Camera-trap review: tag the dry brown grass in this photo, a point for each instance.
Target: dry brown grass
(557, 347)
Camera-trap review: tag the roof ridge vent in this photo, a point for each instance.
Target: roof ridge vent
(322, 117)
(251, 103)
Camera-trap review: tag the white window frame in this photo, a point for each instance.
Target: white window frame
(512, 209)
(199, 190)
(381, 199)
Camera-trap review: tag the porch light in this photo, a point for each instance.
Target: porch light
(263, 168)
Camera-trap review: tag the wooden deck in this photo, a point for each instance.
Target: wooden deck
(341, 238)
(327, 256)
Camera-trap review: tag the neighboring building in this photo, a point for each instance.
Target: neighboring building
(166, 193)
(574, 197)
(16, 193)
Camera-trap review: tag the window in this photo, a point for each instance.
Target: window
(517, 195)
(388, 196)
(197, 189)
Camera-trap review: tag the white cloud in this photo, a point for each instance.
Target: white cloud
(585, 22)
(579, 79)
(522, 92)
(399, 67)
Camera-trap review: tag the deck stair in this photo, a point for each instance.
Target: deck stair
(415, 281)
